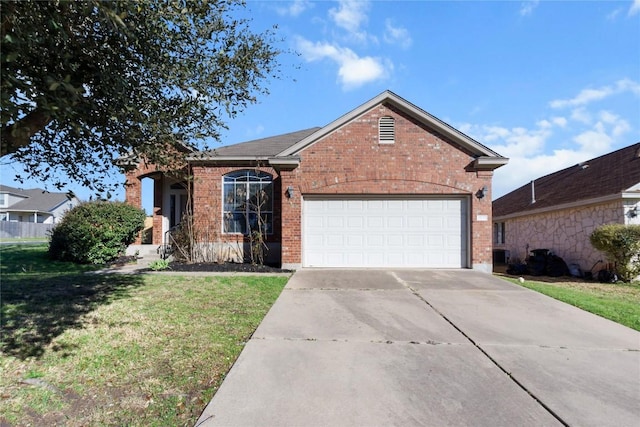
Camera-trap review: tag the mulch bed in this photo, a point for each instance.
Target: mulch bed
(207, 266)
(225, 267)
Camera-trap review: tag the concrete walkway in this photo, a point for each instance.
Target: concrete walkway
(435, 348)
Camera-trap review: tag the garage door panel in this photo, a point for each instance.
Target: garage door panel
(395, 240)
(415, 240)
(375, 240)
(385, 233)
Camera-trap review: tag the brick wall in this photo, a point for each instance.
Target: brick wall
(351, 161)
(207, 201)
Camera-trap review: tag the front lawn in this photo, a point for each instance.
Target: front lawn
(137, 350)
(619, 302)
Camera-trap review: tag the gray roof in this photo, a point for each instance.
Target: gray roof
(607, 175)
(264, 147)
(283, 151)
(36, 199)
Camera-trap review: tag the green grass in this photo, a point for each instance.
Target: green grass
(619, 302)
(137, 350)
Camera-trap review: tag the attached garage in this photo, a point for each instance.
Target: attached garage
(385, 232)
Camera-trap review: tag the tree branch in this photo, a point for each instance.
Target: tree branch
(18, 135)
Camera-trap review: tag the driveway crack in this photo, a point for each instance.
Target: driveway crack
(476, 345)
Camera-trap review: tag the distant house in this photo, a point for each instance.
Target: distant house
(558, 212)
(33, 205)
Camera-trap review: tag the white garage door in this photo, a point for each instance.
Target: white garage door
(429, 233)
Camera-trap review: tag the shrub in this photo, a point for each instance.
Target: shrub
(621, 245)
(95, 232)
(159, 264)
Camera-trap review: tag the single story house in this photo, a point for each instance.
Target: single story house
(33, 205)
(559, 211)
(385, 185)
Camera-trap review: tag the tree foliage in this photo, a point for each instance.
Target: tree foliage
(86, 82)
(621, 245)
(95, 232)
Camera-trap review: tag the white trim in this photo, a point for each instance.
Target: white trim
(406, 107)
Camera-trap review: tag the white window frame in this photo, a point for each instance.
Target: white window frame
(237, 189)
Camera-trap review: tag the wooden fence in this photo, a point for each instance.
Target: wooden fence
(24, 230)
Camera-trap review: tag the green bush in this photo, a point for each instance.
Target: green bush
(159, 265)
(95, 232)
(621, 244)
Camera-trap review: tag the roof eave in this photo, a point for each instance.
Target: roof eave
(284, 163)
(487, 163)
(408, 108)
(277, 162)
(575, 204)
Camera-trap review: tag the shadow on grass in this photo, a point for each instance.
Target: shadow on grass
(36, 308)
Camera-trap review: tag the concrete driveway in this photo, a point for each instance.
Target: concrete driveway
(428, 347)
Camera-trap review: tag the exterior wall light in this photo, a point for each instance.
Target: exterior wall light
(482, 192)
(289, 192)
(633, 212)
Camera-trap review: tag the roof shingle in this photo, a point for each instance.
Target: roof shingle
(264, 147)
(36, 199)
(603, 176)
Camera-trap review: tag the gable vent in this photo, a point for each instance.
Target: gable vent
(387, 130)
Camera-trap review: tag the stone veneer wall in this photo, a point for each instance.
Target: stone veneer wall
(565, 232)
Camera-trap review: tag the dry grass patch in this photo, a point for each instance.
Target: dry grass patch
(149, 351)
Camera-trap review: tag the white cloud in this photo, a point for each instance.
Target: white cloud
(553, 143)
(527, 7)
(618, 125)
(353, 70)
(350, 16)
(587, 96)
(613, 15)
(581, 115)
(397, 35)
(295, 8)
(510, 141)
(635, 8)
(595, 140)
(255, 131)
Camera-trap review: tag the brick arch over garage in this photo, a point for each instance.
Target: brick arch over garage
(390, 185)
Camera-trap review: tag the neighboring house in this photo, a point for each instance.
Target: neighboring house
(559, 212)
(33, 205)
(385, 185)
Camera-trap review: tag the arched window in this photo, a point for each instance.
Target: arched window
(247, 202)
(387, 130)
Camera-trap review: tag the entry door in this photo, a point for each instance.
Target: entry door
(177, 206)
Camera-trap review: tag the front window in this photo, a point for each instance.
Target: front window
(248, 202)
(498, 233)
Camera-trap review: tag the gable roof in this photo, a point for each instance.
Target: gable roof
(489, 157)
(606, 176)
(35, 199)
(284, 150)
(263, 147)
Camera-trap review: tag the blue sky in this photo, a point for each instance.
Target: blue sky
(546, 83)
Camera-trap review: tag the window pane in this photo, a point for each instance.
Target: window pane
(248, 202)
